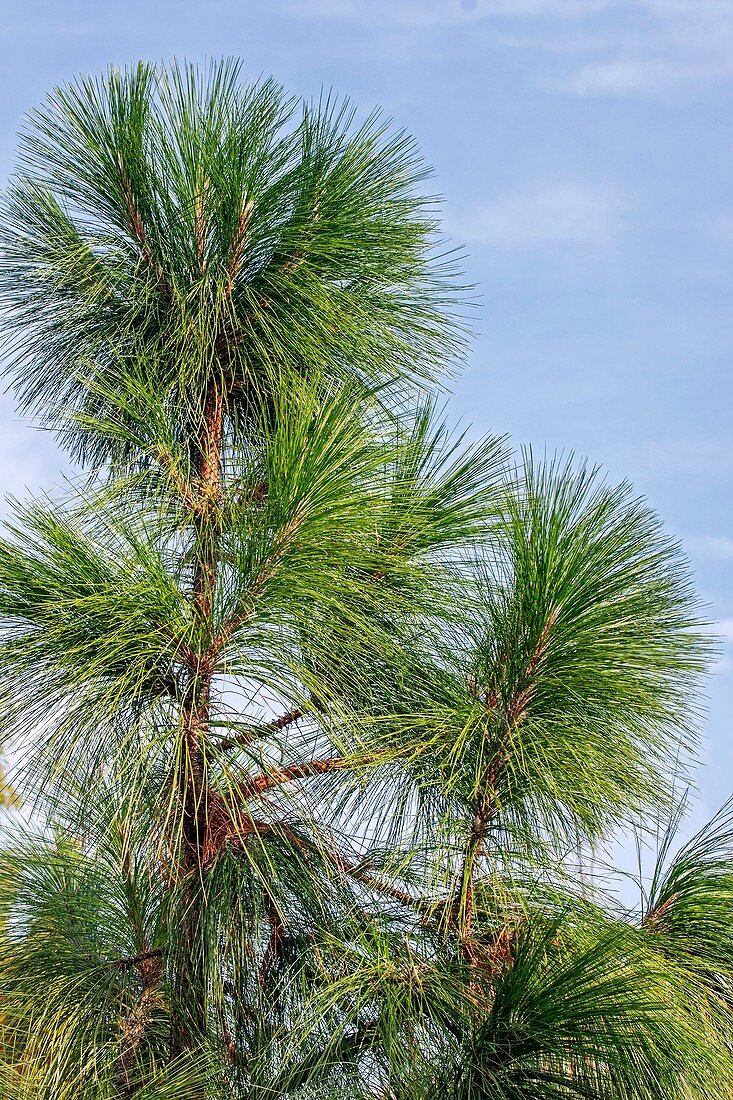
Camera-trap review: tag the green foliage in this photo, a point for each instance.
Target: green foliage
(179, 217)
(688, 909)
(314, 701)
(579, 1015)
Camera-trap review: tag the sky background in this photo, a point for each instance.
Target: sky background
(584, 149)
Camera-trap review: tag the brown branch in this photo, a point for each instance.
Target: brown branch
(194, 790)
(385, 888)
(266, 571)
(521, 699)
(210, 446)
(236, 249)
(226, 826)
(235, 830)
(353, 870)
(136, 229)
(256, 732)
(654, 918)
(346, 1050)
(200, 224)
(465, 909)
(135, 1024)
(255, 827)
(267, 780)
(485, 808)
(274, 943)
(138, 960)
(184, 488)
(276, 777)
(229, 336)
(285, 719)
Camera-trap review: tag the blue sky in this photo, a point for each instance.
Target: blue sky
(585, 151)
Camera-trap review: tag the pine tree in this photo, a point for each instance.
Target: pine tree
(316, 702)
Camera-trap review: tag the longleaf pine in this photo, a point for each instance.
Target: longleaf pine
(322, 715)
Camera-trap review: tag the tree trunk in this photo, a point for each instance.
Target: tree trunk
(195, 716)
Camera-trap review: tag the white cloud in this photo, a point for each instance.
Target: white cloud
(697, 455)
(723, 630)
(568, 214)
(633, 48)
(625, 76)
(565, 9)
(710, 547)
(694, 23)
(691, 42)
(623, 47)
(28, 458)
(439, 13)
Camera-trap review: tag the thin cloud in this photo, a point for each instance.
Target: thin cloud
(27, 457)
(441, 13)
(692, 45)
(569, 214)
(687, 42)
(723, 630)
(685, 456)
(711, 547)
(625, 76)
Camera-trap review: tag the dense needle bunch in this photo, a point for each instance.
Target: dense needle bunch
(313, 703)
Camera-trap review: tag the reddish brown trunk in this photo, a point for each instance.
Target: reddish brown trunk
(466, 906)
(194, 782)
(149, 966)
(195, 717)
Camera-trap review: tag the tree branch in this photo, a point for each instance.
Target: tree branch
(353, 870)
(474, 849)
(346, 1050)
(184, 488)
(278, 776)
(239, 618)
(485, 807)
(274, 943)
(256, 732)
(137, 230)
(135, 1024)
(236, 249)
(138, 960)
